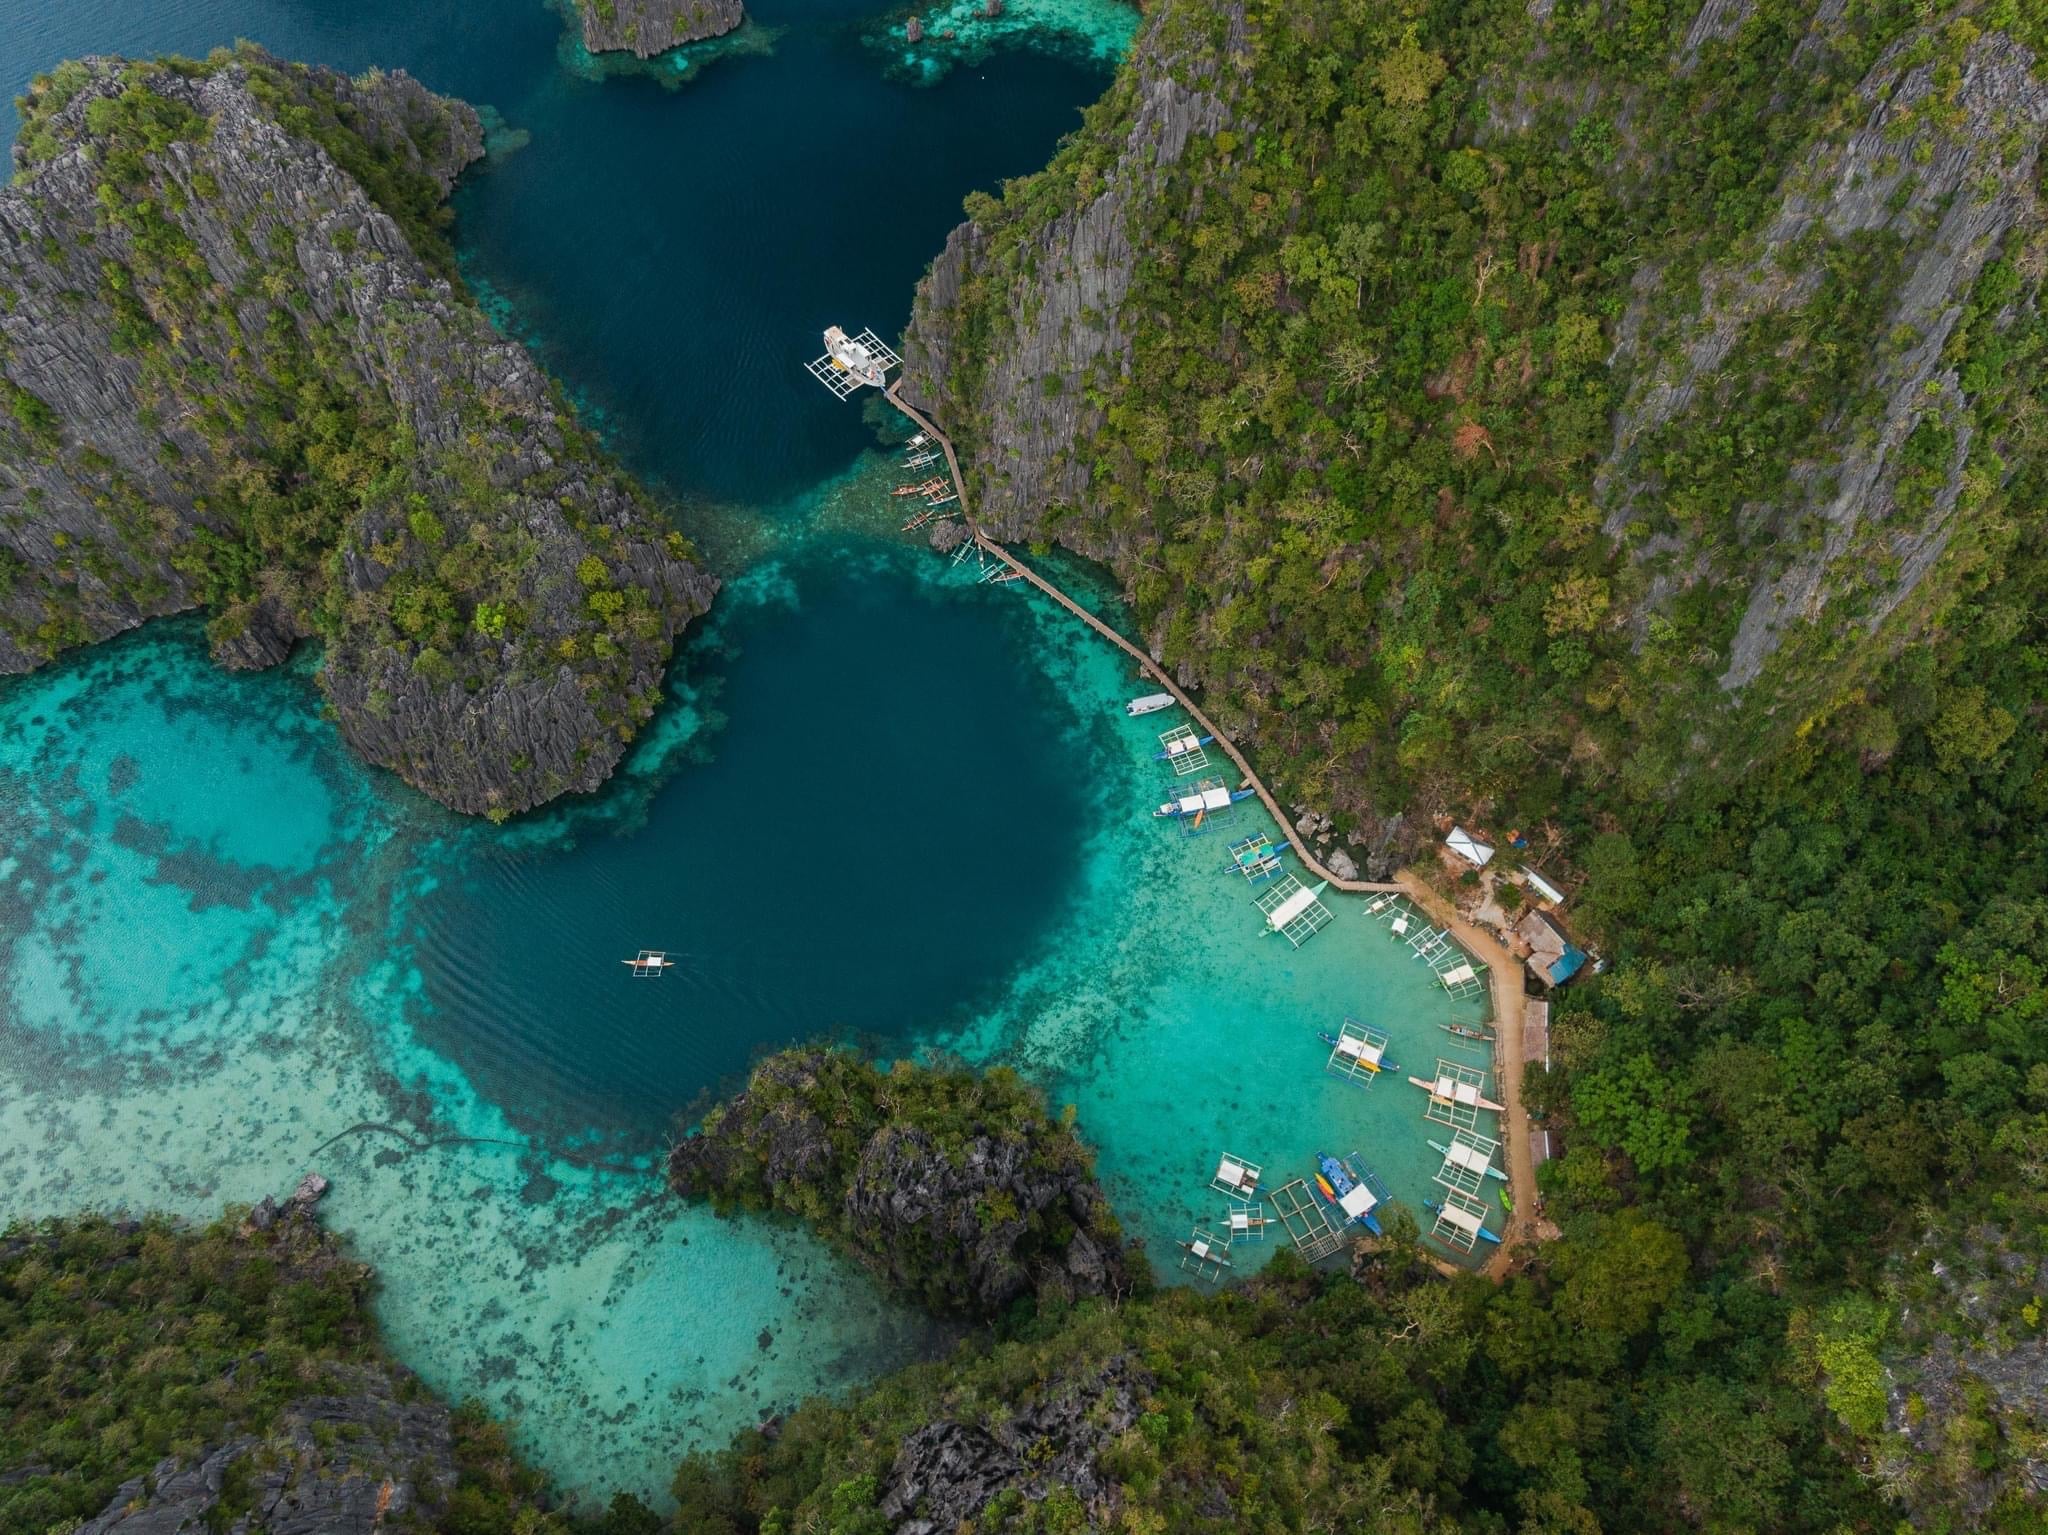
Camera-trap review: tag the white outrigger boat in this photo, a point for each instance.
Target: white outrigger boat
(854, 358)
(1200, 801)
(649, 965)
(1151, 703)
(851, 361)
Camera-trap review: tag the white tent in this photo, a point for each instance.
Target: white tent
(1468, 847)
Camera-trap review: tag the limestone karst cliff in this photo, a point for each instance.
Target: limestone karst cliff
(242, 374)
(1515, 406)
(644, 28)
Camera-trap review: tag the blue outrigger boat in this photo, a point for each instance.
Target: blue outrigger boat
(1486, 1233)
(1355, 1194)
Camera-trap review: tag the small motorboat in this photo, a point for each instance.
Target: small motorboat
(1347, 1191)
(1490, 1170)
(1486, 1233)
(1462, 1032)
(1151, 703)
(1182, 747)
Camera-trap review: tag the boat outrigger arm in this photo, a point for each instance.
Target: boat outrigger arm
(852, 361)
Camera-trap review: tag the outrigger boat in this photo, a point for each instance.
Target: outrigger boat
(1151, 703)
(1182, 747)
(1365, 1062)
(930, 487)
(1491, 1171)
(1347, 1191)
(1201, 802)
(1451, 1090)
(854, 358)
(1464, 1033)
(650, 963)
(1485, 1233)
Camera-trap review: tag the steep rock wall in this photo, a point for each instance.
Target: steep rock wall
(1027, 414)
(644, 28)
(240, 373)
(1943, 169)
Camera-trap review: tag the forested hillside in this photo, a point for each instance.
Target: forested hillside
(1623, 419)
(1534, 404)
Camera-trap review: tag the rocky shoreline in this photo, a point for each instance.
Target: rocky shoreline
(645, 28)
(241, 374)
(952, 1186)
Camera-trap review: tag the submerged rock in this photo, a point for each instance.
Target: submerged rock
(241, 373)
(644, 28)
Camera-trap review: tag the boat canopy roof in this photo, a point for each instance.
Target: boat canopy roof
(1460, 1217)
(1471, 1158)
(1357, 1201)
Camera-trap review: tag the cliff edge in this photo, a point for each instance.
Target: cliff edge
(240, 372)
(644, 28)
(953, 1186)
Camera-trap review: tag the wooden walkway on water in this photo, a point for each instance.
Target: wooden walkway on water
(1503, 968)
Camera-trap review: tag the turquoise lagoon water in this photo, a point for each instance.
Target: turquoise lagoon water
(883, 801)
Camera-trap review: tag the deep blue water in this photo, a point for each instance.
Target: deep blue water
(673, 252)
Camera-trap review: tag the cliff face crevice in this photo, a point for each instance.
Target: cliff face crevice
(1472, 413)
(645, 28)
(241, 375)
(1942, 172)
(1029, 410)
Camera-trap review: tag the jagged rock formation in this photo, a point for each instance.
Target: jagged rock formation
(241, 373)
(949, 1470)
(952, 1186)
(1936, 172)
(363, 1459)
(1467, 499)
(1030, 392)
(647, 27)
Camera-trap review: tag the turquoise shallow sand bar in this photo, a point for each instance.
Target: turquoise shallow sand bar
(882, 801)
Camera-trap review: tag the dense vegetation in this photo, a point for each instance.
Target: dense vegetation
(1363, 479)
(1360, 474)
(955, 1186)
(338, 444)
(123, 1343)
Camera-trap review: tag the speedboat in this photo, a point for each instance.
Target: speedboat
(1151, 703)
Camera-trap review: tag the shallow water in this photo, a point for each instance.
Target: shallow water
(883, 801)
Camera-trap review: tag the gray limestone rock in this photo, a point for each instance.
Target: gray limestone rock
(1069, 324)
(644, 28)
(156, 369)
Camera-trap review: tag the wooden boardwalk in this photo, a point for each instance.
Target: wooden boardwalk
(1503, 969)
